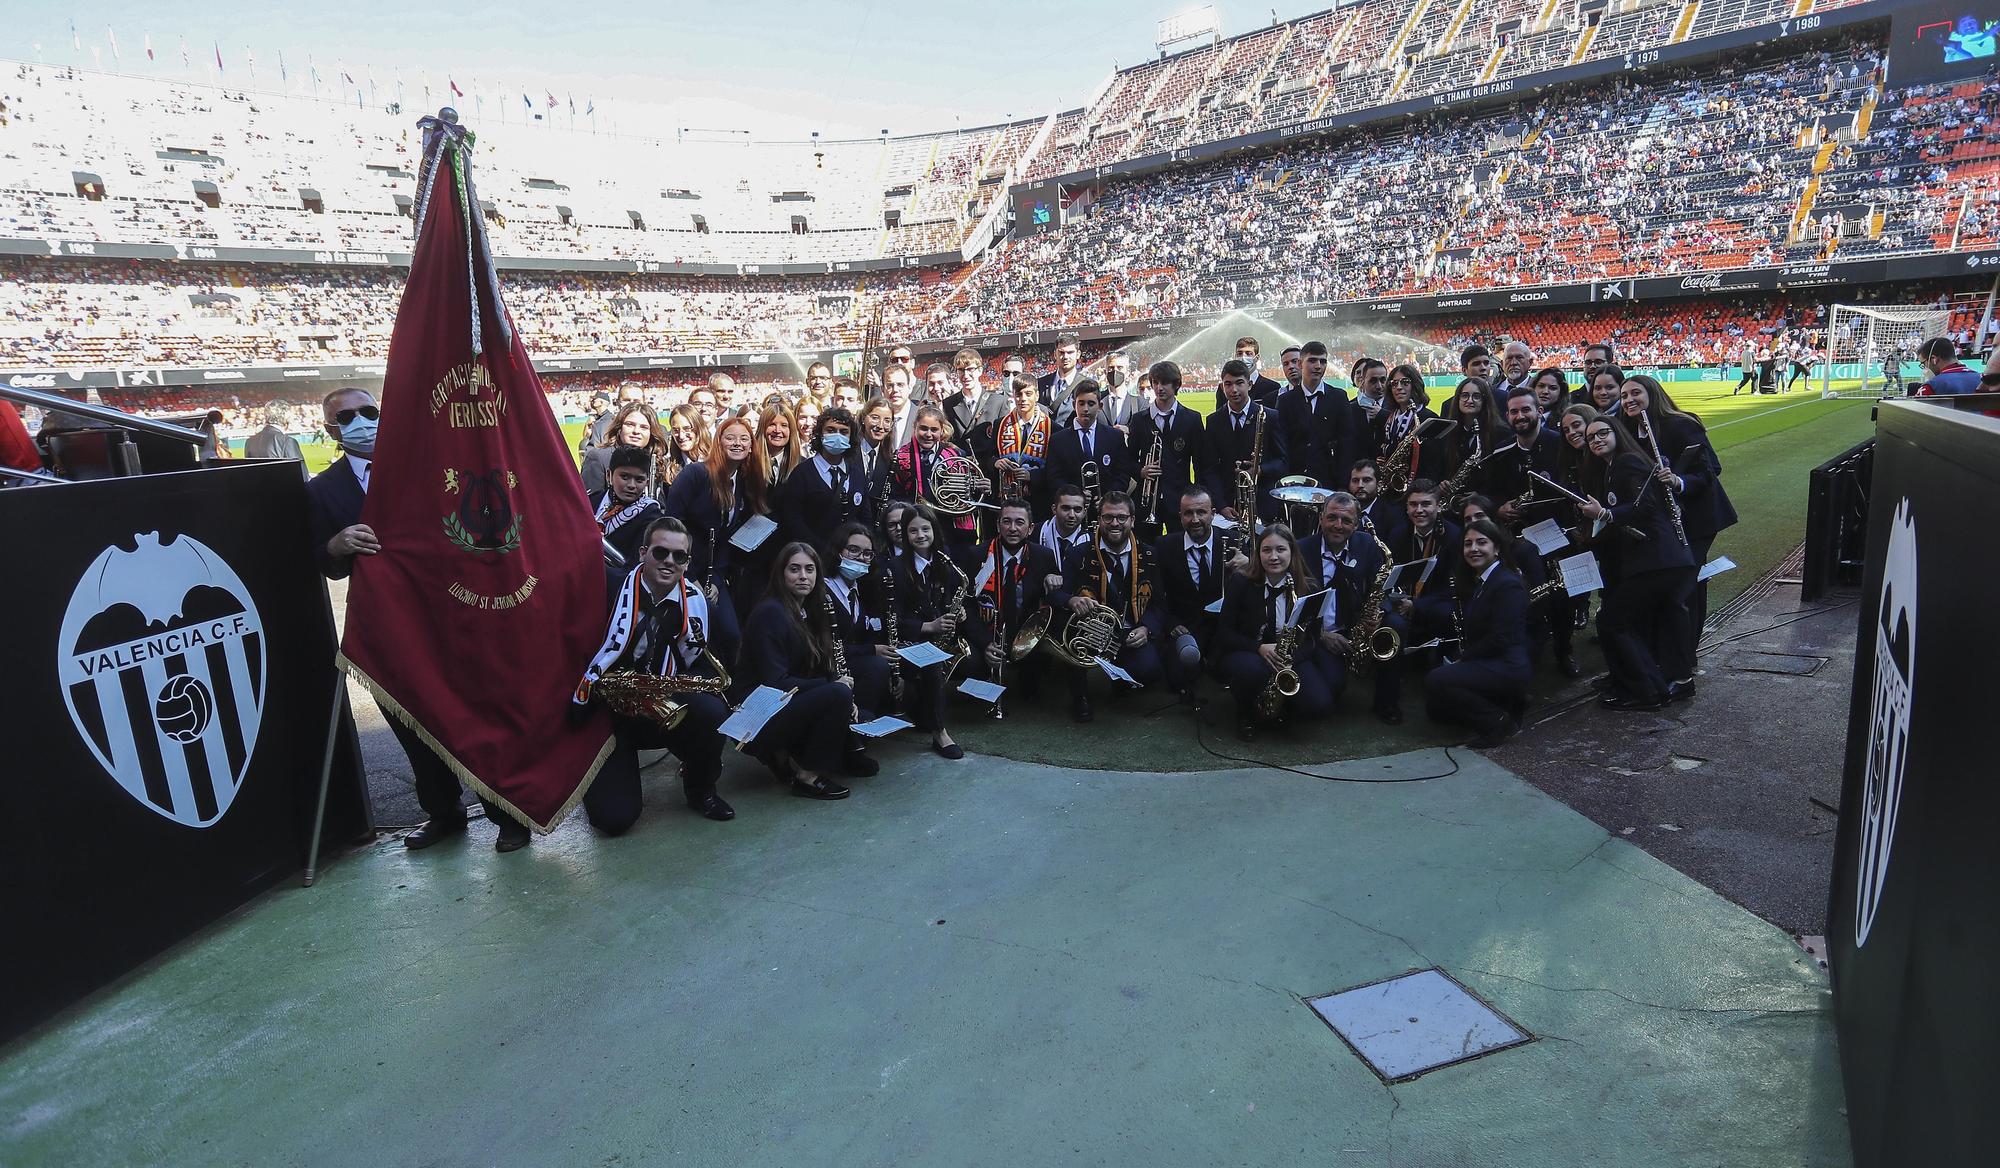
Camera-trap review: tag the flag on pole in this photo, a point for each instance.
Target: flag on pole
(529, 102)
(185, 62)
(455, 90)
(149, 46)
(218, 56)
(75, 41)
(112, 36)
(589, 106)
(282, 75)
(487, 599)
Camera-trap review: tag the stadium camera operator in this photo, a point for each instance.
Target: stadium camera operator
(334, 497)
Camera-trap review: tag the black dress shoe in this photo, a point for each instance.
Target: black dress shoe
(712, 807)
(1567, 663)
(1393, 715)
(1080, 709)
(1620, 702)
(1505, 729)
(431, 831)
(859, 764)
(1680, 691)
(953, 752)
(513, 837)
(819, 787)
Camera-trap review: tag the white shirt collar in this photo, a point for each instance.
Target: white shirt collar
(1484, 576)
(362, 468)
(1192, 543)
(921, 563)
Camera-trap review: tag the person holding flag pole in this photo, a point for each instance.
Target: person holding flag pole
(488, 589)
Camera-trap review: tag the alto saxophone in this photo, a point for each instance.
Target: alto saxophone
(955, 612)
(1284, 681)
(1374, 639)
(637, 693)
(1396, 468)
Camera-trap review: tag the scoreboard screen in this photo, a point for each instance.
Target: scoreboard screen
(1932, 41)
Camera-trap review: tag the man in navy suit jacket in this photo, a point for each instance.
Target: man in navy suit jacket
(1322, 429)
(1181, 454)
(1347, 560)
(334, 498)
(1231, 432)
(1086, 439)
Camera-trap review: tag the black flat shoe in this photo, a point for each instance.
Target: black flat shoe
(433, 831)
(1680, 691)
(1497, 735)
(512, 838)
(712, 807)
(818, 787)
(1566, 662)
(953, 752)
(860, 765)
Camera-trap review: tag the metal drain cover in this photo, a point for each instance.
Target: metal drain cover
(1796, 665)
(1415, 1023)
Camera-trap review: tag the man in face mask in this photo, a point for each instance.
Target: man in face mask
(827, 490)
(334, 498)
(1116, 407)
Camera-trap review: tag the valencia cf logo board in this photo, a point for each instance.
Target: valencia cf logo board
(162, 669)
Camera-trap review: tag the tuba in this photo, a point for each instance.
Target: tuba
(954, 480)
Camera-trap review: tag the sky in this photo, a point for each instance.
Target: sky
(777, 69)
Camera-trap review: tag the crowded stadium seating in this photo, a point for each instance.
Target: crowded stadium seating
(288, 171)
(1777, 157)
(1370, 54)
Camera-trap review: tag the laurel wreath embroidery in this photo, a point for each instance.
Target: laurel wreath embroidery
(456, 533)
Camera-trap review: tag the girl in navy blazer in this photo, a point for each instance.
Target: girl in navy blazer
(1486, 686)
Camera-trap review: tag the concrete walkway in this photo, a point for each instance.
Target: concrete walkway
(978, 963)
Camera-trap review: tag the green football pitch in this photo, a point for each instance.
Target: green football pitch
(1767, 444)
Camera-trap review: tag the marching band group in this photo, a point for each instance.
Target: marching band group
(1296, 539)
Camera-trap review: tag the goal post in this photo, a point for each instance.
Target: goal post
(1872, 344)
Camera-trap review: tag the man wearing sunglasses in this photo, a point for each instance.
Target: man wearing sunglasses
(659, 625)
(334, 497)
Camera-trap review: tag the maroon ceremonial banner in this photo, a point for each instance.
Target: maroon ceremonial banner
(488, 596)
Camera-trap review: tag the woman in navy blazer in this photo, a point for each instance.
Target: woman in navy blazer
(1705, 507)
(1643, 620)
(1256, 604)
(1486, 686)
(788, 645)
(713, 498)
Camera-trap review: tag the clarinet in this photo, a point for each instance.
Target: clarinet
(890, 625)
(708, 580)
(838, 649)
(1660, 460)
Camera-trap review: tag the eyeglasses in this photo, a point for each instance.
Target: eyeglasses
(862, 554)
(667, 555)
(345, 416)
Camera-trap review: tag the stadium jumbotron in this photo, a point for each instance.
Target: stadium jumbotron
(1347, 582)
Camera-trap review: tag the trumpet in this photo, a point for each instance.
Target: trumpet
(996, 639)
(1149, 485)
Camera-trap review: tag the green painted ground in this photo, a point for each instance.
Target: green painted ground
(981, 963)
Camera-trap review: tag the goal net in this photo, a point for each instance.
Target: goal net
(1872, 351)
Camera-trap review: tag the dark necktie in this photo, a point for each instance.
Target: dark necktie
(1201, 566)
(1085, 435)
(839, 477)
(1271, 595)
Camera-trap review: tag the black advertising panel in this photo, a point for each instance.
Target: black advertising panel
(1910, 936)
(170, 676)
(1943, 40)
